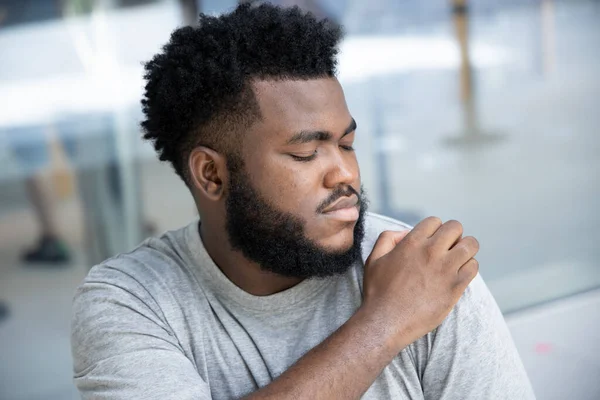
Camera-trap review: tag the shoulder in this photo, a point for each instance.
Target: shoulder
(152, 265)
(138, 290)
(139, 276)
(474, 339)
(145, 267)
(476, 310)
(149, 278)
(476, 297)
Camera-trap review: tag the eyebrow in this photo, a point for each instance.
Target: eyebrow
(323, 136)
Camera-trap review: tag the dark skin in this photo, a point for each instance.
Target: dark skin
(295, 156)
(411, 280)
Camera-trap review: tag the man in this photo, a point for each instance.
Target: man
(286, 288)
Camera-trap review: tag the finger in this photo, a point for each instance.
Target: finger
(463, 251)
(386, 243)
(426, 228)
(468, 272)
(447, 235)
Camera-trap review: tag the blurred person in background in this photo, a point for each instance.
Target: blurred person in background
(31, 148)
(88, 141)
(286, 287)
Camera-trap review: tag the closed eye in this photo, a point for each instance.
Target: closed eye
(304, 159)
(312, 156)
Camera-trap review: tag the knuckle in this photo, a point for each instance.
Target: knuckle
(455, 226)
(434, 220)
(473, 243)
(472, 269)
(462, 247)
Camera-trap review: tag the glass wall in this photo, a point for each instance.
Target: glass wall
(483, 112)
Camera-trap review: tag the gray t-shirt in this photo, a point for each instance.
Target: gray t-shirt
(163, 322)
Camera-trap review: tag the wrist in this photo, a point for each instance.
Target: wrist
(380, 331)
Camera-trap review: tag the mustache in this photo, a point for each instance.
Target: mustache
(338, 194)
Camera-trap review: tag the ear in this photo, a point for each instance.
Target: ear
(208, 172)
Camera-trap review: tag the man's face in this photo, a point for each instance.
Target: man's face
(294, 202)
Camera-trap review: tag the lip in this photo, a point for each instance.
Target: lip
(344, 202)
(344, 214)
(345, 209)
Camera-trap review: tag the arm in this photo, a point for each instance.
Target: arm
(123, 350)
(410, 286)
(343, 366)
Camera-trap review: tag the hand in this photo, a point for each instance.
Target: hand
(413, 279)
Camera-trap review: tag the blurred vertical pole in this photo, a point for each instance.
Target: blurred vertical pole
(190, 10)
(311, 6)
(460, 11)
(3, 306)
(472, 133)
(110, 190)
(123, 173)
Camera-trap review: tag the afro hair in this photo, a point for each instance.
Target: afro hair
(198, 89)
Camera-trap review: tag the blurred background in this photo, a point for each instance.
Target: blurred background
(485, 111)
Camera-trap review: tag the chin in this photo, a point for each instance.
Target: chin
(339, 242)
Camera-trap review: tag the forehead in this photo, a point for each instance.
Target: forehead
(290, 106)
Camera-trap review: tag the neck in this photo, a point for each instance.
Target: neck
(245, 274)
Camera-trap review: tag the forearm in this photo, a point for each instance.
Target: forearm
(342, 367)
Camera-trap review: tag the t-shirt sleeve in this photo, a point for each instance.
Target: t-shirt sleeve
(123, 348)
(472, 356)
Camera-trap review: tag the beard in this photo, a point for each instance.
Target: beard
(276, 240)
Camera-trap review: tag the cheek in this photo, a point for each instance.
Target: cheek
(289, 189)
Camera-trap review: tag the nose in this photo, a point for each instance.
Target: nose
(343, 170)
